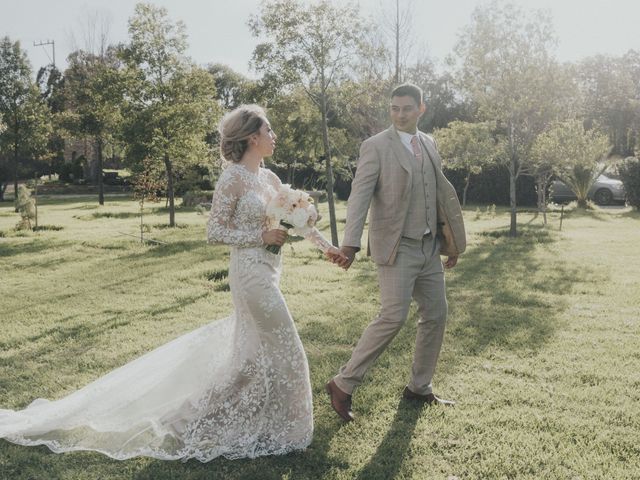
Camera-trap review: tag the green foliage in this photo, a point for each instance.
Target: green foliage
(93, 92)
(232, 88)
(467, 147)
(26, 207)
(171, 106)
(506, 66)
(317, 47)
(193, 198)
(610, 87)
(630, 176)
(147, 183)
(574, 154)
(22, 111)
(443, 99)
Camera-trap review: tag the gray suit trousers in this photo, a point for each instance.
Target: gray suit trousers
(416, 273)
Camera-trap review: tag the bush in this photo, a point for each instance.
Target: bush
(48, 227)
(630, 176)
(26, 207)
(193, 198)
(491, 186)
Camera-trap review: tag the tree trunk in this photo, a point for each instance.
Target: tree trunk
(15, 176)
(513, 175)
(513, 229)
(542, 201)
(397, 32)
(172, 211)
(464, 192)
(329, 170)
(100, 166)
(35, 198)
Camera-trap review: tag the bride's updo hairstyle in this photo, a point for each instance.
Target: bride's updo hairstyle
(235, 129)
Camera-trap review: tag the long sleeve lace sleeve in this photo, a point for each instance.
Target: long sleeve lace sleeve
(226, 223)
(315, 237)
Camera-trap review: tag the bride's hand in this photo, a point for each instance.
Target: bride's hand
(334, 254)
(275, 237)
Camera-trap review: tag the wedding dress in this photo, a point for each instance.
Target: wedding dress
(237, 387)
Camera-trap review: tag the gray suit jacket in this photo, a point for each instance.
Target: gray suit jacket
(382, 184)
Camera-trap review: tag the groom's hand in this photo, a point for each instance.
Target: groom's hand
(334, 255)
(348, 256)
(451, 262)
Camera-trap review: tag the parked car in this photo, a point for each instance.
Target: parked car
(605, 191)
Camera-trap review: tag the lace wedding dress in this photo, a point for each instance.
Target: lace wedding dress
(237, 387)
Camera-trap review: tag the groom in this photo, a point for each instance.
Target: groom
(415, 217)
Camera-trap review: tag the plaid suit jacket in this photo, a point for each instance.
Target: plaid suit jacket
(381, 187)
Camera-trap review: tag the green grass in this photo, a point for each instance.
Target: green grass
(541, 350)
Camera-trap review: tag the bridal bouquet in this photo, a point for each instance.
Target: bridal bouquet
(291, 208)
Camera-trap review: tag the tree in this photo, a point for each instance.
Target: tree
(146, 185)
(397, 28)
(21, 109)
(93, 93)
(611, 91)
(232, 88)
(506, 68)
(630, 174)
(546, 156)
(3, 166)
(171, 103)
(26, 206)
(467, 147)
(314, 47)
(444, 103)
(51, 85)
(580, 156)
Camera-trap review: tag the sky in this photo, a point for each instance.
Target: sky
(218, 33)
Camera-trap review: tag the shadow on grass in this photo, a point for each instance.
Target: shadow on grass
(117, 215)
(387, 460)
(596, 213)
(179, 304)
(32, 247)
(85, 333)
(167, 250)
(510, 297)
(635, 213)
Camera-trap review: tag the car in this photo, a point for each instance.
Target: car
(605, 191)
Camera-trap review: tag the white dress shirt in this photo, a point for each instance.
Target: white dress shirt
(405, 138)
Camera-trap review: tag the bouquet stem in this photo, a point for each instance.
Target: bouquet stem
(275, 249)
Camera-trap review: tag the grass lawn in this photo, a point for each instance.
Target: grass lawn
(541, 352)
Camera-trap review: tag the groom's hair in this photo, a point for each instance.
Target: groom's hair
(408, 90)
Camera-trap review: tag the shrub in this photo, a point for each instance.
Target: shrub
(48, 227)
(26, 206)
(193, 198)
(630, 176)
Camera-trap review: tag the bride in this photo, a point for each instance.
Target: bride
(237, 387)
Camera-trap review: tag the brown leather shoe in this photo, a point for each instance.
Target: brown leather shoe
(340, 401)
(428, 399)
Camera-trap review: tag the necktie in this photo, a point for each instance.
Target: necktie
(416, 147)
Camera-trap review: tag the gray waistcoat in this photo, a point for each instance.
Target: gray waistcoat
(422, 201)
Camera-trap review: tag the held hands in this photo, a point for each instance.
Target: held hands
(334, 255)
(345, 257)
(275, 237)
